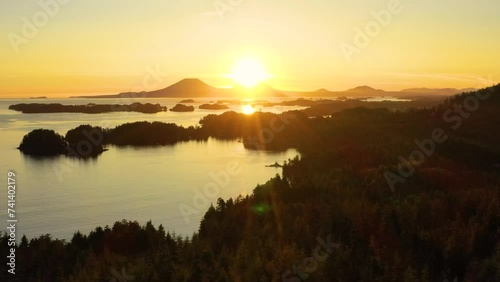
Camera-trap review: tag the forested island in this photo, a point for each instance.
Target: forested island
(91, 108)
(324, 107)
(91, 139)
(187, 101)
(213, 107)
(253, 129)
(182, 108)
(377, 195)
(320, 107)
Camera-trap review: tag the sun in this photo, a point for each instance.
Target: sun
(249, 71)
(247, 109)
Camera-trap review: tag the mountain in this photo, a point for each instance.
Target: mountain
(360, 91)
(367, 91)
(322, 92)
(436, 91)
(186, 88)
(195, 88)
(189, 87)
(364, 91)
(259, 90)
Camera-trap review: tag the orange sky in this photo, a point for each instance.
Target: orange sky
(66, 47)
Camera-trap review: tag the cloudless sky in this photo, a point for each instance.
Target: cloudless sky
(95, 46)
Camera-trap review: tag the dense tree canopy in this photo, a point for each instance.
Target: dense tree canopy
(331, 214)
(90, 108)
(182, 108)
(43, 142)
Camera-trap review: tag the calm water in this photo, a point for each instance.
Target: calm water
(386, 99)
(62, 195)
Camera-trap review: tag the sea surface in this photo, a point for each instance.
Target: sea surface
(169, 185)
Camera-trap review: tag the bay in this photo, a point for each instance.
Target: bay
(170, 185)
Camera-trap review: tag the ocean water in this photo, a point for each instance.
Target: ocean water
(169, 185)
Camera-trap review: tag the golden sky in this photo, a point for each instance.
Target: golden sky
(65, 47)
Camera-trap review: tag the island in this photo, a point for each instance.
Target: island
(305, 130)
(43, 142)
(187, 101)
(82, 142)
(276, 164)
(213, 107)
(182, 108)
(91, 108)
(383, 193)
(89, 141)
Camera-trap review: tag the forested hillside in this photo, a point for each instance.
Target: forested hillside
(377, 195)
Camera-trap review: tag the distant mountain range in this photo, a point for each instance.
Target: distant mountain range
(367, 91)
(440, 91)
(195, 88)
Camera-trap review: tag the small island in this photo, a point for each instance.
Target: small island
(182, 108)
(90, 141)
(213, 107)
(91, 108)
(82, 142)
(43, 142)
(187, 101)
(276, 164)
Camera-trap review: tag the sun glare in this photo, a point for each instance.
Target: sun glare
(247, 109)
(249, 71)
